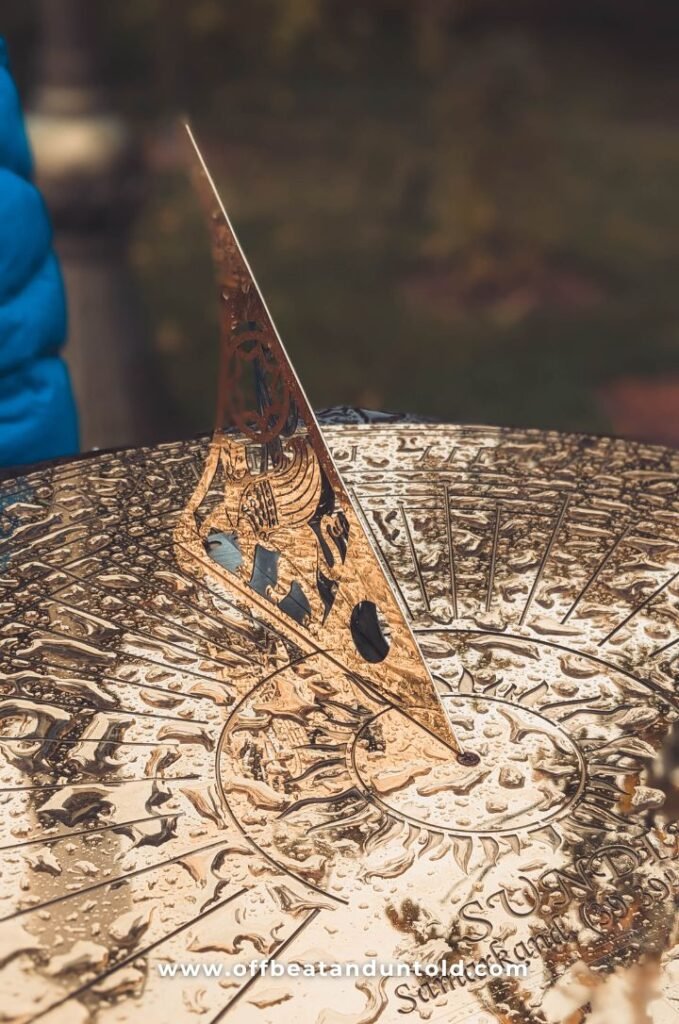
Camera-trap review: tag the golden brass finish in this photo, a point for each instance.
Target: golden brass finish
(183, 782)
(281, 498)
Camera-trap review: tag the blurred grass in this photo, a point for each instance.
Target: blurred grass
(493, 244)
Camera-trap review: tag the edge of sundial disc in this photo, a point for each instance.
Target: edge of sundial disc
(181, 784)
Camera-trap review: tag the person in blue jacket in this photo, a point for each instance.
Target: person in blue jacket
(37, 412)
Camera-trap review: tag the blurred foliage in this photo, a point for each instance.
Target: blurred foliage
(453, 208)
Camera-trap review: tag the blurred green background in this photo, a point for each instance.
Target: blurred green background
(459, 208)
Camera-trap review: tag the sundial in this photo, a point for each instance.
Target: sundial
(372, 689)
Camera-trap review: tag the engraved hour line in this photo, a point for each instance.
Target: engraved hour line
(639, 607)
(395, 585)
(647, 683)
(93, 583)
(135, 954)
(136, 656)
(413, 555)
(52, 786)
(493, 556)
(44, 564)
(74, 674)
(601, 712)
(159, 557)
(128, 682)
(583, 702)
(155, 715)
(255, 977)
(468, 505)
(158, 689)
(113, 881)
(451, 550)
(545, 557)
(474, 507)
(90, 831)
(233, 627)
(121, 710)
(665, 647)
(133, 632)
(196, 582)
(74, 743)
(595, 575)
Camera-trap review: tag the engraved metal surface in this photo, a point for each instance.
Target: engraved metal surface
(183, 780)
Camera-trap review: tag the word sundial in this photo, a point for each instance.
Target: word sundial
(370, 690)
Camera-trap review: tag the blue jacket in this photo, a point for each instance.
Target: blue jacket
(37, 412)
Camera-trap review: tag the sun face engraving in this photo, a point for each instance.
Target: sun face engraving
(529, 770)
(180, 779)
(559, 739)
(322, 777)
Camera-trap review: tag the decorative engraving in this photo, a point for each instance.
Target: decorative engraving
(183, 778)
(285, 525)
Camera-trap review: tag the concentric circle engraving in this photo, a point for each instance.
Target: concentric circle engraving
(181, 781)
(529, 770)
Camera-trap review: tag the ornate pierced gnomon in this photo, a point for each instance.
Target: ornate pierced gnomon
(281, 529)
(197, 766)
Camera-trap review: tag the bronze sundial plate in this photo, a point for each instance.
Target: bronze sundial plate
(184, 781)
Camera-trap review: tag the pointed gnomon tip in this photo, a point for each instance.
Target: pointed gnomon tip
(194, 147)
(199, 165)
(186, 125)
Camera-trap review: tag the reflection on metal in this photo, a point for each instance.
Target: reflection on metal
(187, 774)
(199, 764)
(271, 494)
